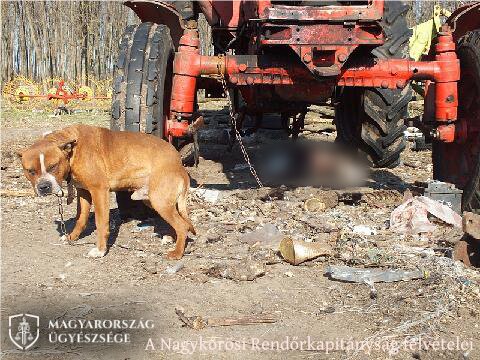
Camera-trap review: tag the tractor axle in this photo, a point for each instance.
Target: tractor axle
(250, 70)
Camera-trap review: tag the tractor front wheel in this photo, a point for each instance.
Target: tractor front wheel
(459, 162)
(142, 80)
(141, 91)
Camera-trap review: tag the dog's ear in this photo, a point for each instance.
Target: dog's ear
(67, 146)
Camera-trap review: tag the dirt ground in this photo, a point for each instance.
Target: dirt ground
(316, 317)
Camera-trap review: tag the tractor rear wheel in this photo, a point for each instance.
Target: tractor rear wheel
(459, 163)
(141, 91)
(371, 119)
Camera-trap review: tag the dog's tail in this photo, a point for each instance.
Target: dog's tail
(182, 205)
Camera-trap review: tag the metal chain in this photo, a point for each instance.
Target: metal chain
(238, 136)
(63, 228)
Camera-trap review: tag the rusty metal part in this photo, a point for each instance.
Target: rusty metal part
(372, 11)
(471, 224)
(457, 162)
(62, 93)
(467, 250)
(461, 252)
(464, 19)
(323, 48)
(185, 75)
(159, 12)
(265, 69)
(298, 81)
(243, 70)
(451, 132)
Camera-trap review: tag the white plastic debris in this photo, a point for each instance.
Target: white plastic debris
(141, 227)
(209, 195)
(363, 230)
(412, 215)
(412, 251)
(166, 240)
(370, 276)
(412, 133)
(267, 236)
(174, 268)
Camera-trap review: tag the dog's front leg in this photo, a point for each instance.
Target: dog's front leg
(100, 198)
(84, 202)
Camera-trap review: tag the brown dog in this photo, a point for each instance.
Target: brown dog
(97, 161)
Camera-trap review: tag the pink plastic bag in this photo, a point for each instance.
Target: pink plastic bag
(412, 216)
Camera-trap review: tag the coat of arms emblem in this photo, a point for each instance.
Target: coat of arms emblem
(24, 330)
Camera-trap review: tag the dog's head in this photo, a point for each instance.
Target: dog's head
(46, 164)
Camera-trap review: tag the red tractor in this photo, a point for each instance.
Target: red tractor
(282, 56)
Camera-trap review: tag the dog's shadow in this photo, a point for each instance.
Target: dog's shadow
(115, 222)
(160, 226)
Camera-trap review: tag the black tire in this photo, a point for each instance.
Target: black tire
(459, 163)
(141, 92)
(371, 119)
(142, 79)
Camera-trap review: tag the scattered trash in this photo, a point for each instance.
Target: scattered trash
(166, 240)
(321, 224)
(197, 322)
(209, 195)
(314, 204)
(442, 192)
(412, 133)
(141, 227)
(358, 275)
(421, 144)
(267, 236)
(288, 274)
(86, 294)
(412, 251)
(295, 252)
(412, 215)
(61, 277)
(382, 198)
(323, 200)
(68, 264)
(174, 268)
(375, 198)
(363, 230)
(417, 138)
(471, 224)
(246, 270)
(326, 310)
(268, 256)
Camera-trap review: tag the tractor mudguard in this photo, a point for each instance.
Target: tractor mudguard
(464, 19)
(169, 13)
(227, 14)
